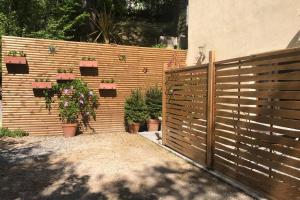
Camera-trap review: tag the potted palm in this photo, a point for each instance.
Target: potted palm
(153, 100)
(77, 105)
(135, 111)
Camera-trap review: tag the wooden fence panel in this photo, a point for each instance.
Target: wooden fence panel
(21, 109)
(247, 113)
(185, 107)
(258, 121)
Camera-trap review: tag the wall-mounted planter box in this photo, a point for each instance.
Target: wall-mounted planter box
(88, 63)
(18, 60)
(65, 76)
(41, 85)
(107, 86)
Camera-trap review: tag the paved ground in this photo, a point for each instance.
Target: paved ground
(100, 167)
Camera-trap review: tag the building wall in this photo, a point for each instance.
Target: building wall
(23, 109)
(240, 27)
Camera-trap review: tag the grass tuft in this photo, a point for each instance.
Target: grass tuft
(5, 132)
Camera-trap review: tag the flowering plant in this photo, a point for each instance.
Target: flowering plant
(76, 101)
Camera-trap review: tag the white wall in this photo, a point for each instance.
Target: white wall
(240, 27)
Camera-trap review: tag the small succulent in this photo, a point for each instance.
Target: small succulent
(122, 58)
(70, 70)
(22, 54)
(59, 70)
(47, 80)
(64, 71)
(12, 53)
(112, 80)
(52, 49)
(36, 80)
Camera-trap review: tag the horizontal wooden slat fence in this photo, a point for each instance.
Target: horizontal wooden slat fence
(186, 102)
(22, 109)
(255, 137)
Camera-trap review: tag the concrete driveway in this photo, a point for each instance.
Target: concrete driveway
(110, 166)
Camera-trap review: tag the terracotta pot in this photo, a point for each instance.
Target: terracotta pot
(15, 60)
(88, 63)
(65, 76)
(153, 124)
(69, 129)
(108, 86)
(41, 85)
(134, 128)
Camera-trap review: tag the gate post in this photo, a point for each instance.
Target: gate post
(210, 143)
(164, 104)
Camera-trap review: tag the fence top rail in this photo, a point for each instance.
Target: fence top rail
(189, 68)
(255, 57)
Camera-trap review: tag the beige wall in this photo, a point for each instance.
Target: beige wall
(240, 27)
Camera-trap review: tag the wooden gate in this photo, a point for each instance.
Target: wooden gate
(239, 117)
(186, 102)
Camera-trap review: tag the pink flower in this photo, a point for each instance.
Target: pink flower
(66, 104)
(91, 93)
(66, 91)
(81, 101)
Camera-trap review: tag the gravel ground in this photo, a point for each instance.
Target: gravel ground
(100, 167)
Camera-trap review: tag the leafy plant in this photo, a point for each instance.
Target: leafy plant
(59, 70)
(70, 70)
(88, 58)
(16, 53)
(108, 80)
(12, 53)
(153, 100)
(76, 101)
(160, 45)
(5, 132)
(135, 108)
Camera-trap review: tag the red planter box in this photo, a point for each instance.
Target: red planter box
(65, 76)
(41, 85)
(88, 63)
(15, 60)
(108, 86)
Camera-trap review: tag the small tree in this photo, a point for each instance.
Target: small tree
(153, 101)
(135, 108)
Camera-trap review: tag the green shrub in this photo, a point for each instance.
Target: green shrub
(5, 132)
(135, 108)
(153, 101)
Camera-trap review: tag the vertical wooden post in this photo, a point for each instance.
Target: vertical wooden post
(164, 104)
(210, 110)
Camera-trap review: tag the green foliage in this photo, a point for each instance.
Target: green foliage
(5, 132)
(108, 80)
(16, 53)
(76, 101)
(89, 58)
(131, 22)
(159, 45)
(135, 108)
(153, 100)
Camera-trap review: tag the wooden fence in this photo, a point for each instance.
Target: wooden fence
(240, 117)
(131, 67)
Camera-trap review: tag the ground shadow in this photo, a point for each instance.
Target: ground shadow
(48, 176)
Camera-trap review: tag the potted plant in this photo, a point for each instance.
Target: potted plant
(16, 57)
(108, 84)
(88, 62)
(153, 100)
(42, 83)
(77, 105)
(63, 74)
(135, 111)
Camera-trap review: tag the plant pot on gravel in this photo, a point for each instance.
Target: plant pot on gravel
(153, 125)
(69, 129)
(135, 111)
(77, 105)
(153, 100)
(134, 128)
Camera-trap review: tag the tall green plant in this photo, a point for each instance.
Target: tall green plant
(153, 101)
(135, 108)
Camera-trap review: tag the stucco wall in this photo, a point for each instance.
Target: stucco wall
(240, 27)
